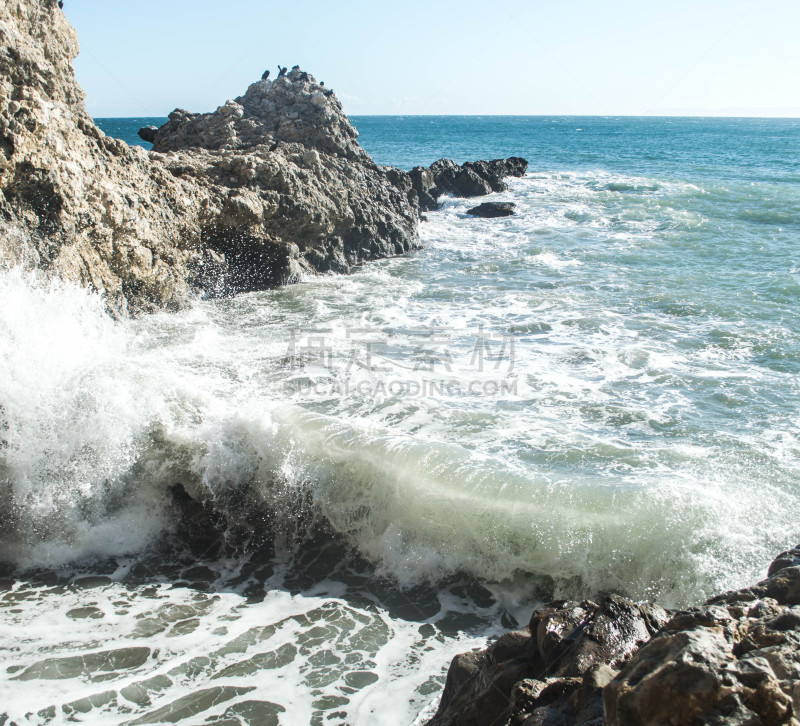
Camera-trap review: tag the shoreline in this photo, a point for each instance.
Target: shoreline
(271, 187)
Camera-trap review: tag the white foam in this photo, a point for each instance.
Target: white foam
(641, 442)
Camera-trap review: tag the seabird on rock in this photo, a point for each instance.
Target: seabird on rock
(304, 76)
(265, 75)
(281, 71)
(61, 4)
(274, 146)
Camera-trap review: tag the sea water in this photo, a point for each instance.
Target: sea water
(598, 393)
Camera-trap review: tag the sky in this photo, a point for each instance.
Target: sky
(526, 57)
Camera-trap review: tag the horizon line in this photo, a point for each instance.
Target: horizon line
(528, 115)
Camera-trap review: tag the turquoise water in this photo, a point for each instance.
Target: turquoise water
(600, 392)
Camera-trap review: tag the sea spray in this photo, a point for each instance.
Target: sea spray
(610, 401)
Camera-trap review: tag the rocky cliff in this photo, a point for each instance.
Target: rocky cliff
(733, 661)
(223, 209)
(268, 187)
(74, 201)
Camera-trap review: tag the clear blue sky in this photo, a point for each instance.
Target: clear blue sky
(698, 57)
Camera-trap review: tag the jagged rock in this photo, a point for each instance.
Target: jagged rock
(270, 186)
(147, 133)
(473, 179)
(219, 210)
(75, 202)
(278, 214)
(290, 109)
(493, 209)
(735, 660)
(546, 664)
(731, 662)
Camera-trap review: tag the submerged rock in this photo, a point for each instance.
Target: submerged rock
(493, 209)
(735, 660)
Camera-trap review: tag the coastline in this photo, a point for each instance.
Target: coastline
(233, 216)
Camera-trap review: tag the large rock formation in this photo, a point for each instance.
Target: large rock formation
(226, 209)
(268, 187)
(74, 201)
(731, 662)
(292, 190)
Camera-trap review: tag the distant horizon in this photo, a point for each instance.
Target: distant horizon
(719, 58)
(523, 115)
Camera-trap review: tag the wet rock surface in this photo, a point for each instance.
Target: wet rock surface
(492, 209)
(734, 660)
(538, 672)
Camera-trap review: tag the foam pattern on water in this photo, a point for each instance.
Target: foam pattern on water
(124, 652)
(600, 392)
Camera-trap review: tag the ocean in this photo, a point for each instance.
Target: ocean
(600, 393)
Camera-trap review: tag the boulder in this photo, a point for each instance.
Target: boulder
(733, 661)
(148, 133)
(493, 209)
(545, 665)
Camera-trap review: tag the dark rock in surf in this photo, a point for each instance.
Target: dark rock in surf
(473, 179)
(542, 668)
(148, 133)
(493, 209)
(734, 660)
(498, 169)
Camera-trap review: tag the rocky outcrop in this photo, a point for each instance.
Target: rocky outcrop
(270, 186)
(566, 648)
(291, 190)
(75, 202)
(292, 109)
(493, 209)
(735, 660)
(473, 179)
